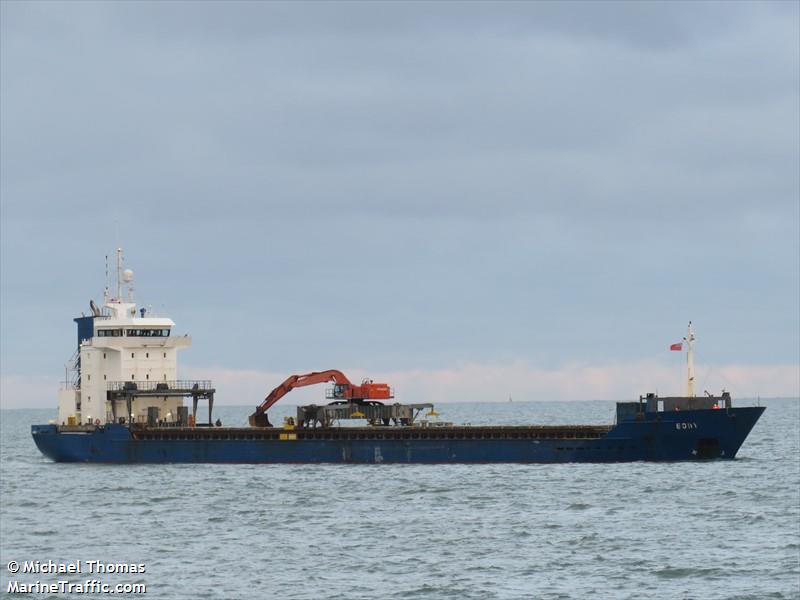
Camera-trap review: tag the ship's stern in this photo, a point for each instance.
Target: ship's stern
(46, 438)
(83, 443)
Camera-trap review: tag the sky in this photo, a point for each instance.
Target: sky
(470, 201)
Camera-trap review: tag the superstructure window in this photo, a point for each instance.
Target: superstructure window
(147, 332)
(109, 332)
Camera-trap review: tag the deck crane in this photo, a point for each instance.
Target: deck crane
(343, 389)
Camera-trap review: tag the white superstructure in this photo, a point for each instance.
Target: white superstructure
(119, 344)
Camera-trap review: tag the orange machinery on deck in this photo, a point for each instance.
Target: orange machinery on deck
(343, 389)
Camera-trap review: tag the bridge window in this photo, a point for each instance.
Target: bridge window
(109, 332)
(147, 332)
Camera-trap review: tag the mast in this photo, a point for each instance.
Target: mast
(119, 274)
(690, 361)
(105, 290)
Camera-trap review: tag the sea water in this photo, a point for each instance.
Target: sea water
(703, 530)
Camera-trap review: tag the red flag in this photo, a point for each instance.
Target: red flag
(677, 347)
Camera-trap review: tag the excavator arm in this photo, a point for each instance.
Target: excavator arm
(259, 417)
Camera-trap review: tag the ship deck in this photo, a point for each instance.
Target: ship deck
(469, 432)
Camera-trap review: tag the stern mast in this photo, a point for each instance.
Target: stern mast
(690, 361)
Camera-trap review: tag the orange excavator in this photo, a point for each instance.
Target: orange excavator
(343, 390)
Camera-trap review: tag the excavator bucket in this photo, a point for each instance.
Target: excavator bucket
(259, 420)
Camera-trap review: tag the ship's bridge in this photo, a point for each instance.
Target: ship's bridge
(134, 327)
(142, 331)
(123, 320)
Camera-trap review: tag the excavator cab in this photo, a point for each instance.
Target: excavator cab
(337, 392)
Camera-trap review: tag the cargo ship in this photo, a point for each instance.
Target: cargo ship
(121, 402)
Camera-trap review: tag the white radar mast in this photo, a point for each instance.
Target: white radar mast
(124, 277)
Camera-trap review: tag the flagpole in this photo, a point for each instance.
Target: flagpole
(690, 361)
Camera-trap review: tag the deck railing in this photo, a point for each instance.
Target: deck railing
(152, 385)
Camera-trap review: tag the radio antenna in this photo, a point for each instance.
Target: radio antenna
(105, 291)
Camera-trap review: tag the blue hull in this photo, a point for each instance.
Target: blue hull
(675, 436)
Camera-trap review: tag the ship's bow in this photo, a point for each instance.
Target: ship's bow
(741, 421)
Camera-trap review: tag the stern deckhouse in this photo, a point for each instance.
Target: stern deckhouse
(121, 347)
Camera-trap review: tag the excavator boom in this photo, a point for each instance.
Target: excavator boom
(259, 417)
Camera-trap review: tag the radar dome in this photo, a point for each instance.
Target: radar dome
(127, 276)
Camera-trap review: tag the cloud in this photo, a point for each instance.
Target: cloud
(652, 26)
(415, 185)
(525, 382)
(515, 110)
(475, 383)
